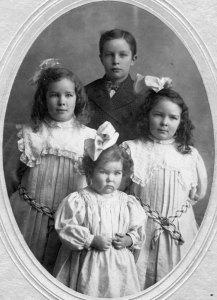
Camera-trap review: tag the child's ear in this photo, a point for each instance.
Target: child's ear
(134, 58)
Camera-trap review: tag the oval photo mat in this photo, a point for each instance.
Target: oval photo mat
(73, 38)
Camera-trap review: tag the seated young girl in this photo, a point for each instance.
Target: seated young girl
(100, 226)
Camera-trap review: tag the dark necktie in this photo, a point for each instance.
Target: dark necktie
(112, 86)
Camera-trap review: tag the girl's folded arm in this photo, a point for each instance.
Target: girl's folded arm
(202, 177)
(69, 223)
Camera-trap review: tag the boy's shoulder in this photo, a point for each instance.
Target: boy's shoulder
(100, 82)
(94, 84)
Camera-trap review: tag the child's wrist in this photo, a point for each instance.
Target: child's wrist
(89, 241)
(93, 242)
(129, 241)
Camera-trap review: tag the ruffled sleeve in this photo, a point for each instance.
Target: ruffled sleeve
(69, 220)
(138, 219)
(29, 144)
(53, 138)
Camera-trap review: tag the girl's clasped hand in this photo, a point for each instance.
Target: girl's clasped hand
(103, 243)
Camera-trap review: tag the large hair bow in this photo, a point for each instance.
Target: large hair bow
(45, 64)
(106, 136)
(143, 82)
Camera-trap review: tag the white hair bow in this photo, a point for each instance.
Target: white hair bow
(143, 82)
(45, 64)
(106, 136)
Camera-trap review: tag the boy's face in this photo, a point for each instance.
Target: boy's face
(117, 59)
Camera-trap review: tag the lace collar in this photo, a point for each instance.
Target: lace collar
(162, 142)
(67, 124)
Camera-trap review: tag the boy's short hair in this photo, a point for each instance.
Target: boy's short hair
(118, 34)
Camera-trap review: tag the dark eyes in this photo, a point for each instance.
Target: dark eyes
(118, 173)
(123, 54)
(69, 95)
(55, 95)
(102, 172)
(115, 173)
(161, 115)
(120, 54)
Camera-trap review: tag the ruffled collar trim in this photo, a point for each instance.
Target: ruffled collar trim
(67, 124)
(162, 142)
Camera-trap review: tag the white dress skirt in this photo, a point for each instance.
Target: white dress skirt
(53, 158)
(81, 216)
(165, 180)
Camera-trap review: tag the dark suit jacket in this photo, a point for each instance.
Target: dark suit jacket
(120, 110)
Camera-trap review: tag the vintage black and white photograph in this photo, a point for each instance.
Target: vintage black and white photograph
(108, 150)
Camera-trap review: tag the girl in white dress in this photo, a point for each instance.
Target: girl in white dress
(169, 176)
(99, 227)
(51, 148)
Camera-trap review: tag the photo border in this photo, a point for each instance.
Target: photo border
(12, 59)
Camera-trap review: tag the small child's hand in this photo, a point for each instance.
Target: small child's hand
(122, 241)
(101, 243)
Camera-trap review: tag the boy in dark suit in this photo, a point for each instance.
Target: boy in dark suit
(112, 97)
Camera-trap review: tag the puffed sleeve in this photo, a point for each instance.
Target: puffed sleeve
(69, 222)
(200, 190)
(138, 219)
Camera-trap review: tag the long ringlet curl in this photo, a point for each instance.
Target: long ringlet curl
(183, 136)
(44, 79)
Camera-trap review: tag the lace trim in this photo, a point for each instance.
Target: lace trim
(144, 182)
(32, 160)
(142, 177)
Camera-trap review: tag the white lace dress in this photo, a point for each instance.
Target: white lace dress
(81, 216)
(164, 178)
(53, 156)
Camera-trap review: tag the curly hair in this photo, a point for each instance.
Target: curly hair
(49, 75)
(118, 34)
(183, 136)
(113, 153)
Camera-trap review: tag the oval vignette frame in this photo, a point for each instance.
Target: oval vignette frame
(10, 234)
